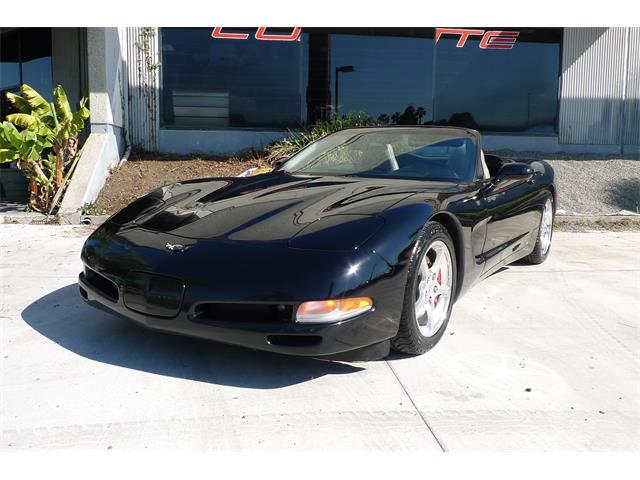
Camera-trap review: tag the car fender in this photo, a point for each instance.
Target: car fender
(396, 239)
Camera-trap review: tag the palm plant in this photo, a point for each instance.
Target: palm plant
(42, 137)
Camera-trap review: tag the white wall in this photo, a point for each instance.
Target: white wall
(105, 145)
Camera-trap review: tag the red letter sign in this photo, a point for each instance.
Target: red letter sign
(499, 39)
(295, 35)
(261, 34)
(218, 33)
(464, 34)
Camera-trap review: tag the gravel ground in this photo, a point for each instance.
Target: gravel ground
(590, 184)
(598, 187)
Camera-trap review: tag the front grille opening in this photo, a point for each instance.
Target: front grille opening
(294, 340)
(83, 292)
(244, 312)
(102, 284)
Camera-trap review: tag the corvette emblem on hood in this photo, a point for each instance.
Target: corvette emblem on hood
(176, 247)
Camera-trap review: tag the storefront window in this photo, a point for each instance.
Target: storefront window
(390, 78)
(499, 89)
(211, 82)
(9, 59)
(394, 75)
(25, 57)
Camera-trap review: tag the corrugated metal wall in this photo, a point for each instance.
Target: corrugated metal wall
(143, 86)
(632, 94)
(596, 81)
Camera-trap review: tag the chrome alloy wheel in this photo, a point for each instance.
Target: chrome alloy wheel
(433, 292)
(546, 227)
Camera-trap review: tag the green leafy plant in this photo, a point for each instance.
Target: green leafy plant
(292, 144)
(92, 209)
(42, 137)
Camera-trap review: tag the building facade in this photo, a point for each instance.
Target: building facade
(221, 91)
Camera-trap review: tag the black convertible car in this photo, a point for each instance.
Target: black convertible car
(365, 236)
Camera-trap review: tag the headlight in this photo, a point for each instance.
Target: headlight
(332, 310)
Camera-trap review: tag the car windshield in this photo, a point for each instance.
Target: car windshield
(414, 153)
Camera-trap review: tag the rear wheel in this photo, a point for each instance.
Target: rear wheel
(429, 293)
(545, 235)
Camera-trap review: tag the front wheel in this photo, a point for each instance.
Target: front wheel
(429, 293)
(545, 234)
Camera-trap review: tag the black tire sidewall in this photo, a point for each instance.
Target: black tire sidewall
(536, 257)
(433, 231)
(553, 220)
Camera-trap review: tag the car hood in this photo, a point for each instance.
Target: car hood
(268, 207)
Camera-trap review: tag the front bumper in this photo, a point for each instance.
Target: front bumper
(288, 338)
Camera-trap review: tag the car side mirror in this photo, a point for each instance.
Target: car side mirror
(279, 163)
(510, 172)
(514, 171)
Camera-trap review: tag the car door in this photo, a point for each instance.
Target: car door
(511, 219)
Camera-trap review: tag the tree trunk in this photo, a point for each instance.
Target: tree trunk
(59, 164)
(33, 192)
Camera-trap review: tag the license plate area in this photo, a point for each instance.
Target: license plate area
(153, 294)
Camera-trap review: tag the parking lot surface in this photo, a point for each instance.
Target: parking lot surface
(535, 358)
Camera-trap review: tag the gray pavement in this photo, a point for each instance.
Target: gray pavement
(535, 358)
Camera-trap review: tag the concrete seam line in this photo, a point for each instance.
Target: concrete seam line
(424, 419)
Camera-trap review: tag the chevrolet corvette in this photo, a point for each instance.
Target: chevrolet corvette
(365, 236)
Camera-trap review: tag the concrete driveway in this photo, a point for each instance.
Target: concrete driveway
(535, 358)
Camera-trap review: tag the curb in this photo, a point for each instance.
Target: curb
(597, 218)
(75, 218)
(583, 223)
(32, 218)
(28, 218)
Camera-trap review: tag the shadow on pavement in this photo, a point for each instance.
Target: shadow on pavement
(63, 317)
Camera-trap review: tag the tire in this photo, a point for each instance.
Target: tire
(542, 248)
(412, 337)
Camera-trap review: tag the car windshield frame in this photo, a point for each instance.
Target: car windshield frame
(394, 152)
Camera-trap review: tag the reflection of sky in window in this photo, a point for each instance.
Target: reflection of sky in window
(390, 74)
(509, 88)
(9, 74)
(25, 57)
(37, 74)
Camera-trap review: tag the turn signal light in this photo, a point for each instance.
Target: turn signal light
(332, 310)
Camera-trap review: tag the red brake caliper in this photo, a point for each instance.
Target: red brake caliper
(439, 278)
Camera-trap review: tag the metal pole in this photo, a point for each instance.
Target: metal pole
(335, 107)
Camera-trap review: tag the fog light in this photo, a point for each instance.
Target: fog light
(332, 310)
